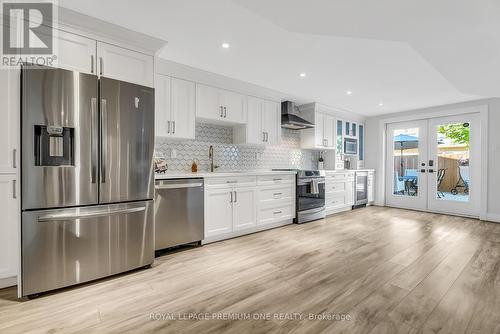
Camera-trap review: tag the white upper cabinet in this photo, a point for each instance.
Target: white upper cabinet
(175, 107)
(126, 65)
(322, 135)
(10, 98)
(234, 107)
(209, 103)
(272, 122)
(263, 123)
(9, 226)
(219, 105)
(183, 108)
(77, 53)
(163, 112)
(255, 112)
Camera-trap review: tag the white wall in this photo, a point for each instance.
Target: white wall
(375, 147)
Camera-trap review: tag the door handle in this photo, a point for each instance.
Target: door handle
(91, 63)
(49, 218)
(179, 185)
(267, 136)
(104, 140)
(93, 142)
(101, 65)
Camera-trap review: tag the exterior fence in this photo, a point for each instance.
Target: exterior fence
(451, 176)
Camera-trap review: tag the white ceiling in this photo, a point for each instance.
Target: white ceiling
(406, 54)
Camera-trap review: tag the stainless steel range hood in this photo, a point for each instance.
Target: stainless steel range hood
(290, 119)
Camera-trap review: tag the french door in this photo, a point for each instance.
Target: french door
(435, 164)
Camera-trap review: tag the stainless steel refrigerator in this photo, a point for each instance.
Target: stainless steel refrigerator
(87, 178)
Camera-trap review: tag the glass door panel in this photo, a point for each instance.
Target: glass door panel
(406, 159)
(454, 153)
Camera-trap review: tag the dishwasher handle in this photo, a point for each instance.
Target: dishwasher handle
(178, 185)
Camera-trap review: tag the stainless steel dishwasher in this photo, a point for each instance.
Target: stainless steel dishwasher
(179, 212)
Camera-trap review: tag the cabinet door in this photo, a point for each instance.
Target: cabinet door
(319, 120)
(10, 81)
(244, 211)
(162, 105)
(349, 192)
(209, 103)
(272, 117)
(219, 212)
(255, 130)
(9, 240)
(183, 109)
(77, 53)
(328, 131)
(122, 64)
(235, 109)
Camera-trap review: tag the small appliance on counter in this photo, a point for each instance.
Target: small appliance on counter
(321, 161)
(160, 165)
(310, 195)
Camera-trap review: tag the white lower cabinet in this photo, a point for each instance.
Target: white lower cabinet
(339, 191)
(244, 211)
(9, 229)
(218, 212)
(371, 187)
(245, 204)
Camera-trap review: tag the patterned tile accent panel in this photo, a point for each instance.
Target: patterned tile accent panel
(233, 157)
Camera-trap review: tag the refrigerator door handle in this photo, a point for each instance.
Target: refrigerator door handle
(93, 141)
(104, 140)
(51, 218)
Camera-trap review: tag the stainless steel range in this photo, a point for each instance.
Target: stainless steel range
(310, 195)
(87, 178)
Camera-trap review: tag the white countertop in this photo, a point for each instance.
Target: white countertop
(186, 175)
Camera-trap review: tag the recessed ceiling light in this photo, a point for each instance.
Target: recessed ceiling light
(302, 75)
(349, 92)
(380, 104)
(225, 45)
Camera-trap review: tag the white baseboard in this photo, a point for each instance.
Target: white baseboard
(492, 217)
(8, 281)
(338, 210)
(240, 233)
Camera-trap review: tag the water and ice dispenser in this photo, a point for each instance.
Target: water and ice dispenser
(54, 145)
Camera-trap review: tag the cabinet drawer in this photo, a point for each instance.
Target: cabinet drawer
(336, 176)
(222, 182)
(276, 179)
(335, 187)
(276, 194)
(337, 200)
(272, 214)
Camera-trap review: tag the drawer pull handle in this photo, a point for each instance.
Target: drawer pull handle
(233, 181)
(278, 194)
(277, 179)
(277, 212)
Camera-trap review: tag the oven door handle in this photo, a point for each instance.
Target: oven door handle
(299, 183)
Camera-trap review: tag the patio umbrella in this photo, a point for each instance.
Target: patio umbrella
(404, 142)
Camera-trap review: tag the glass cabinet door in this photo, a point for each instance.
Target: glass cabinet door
(361, 142)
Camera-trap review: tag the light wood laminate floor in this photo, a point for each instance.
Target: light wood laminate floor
(387, 270)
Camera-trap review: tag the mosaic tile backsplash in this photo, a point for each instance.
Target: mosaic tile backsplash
(233, 157)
